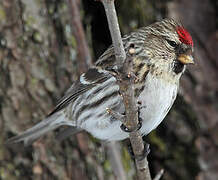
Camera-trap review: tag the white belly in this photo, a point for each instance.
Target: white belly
(157, 99)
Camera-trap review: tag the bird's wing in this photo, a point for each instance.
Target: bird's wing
(54, 120)
(86, 81)
(107, 61)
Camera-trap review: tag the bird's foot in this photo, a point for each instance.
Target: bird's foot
(122, 118)
(126, 129)
(140, 107)
(141, 156)
(139, 125)
(116, 115)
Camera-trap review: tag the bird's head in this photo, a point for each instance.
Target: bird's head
(170, 46)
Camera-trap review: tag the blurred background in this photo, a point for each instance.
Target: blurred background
(38, 62)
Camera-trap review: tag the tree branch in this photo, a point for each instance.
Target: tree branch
(115, 31)
(126, 83)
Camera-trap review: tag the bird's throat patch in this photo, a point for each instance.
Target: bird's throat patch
(178, 67)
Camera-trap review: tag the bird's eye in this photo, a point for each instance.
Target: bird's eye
(172, 43)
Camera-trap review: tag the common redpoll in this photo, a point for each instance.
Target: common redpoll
(161, 52)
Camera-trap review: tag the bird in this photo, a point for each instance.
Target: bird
(161, 52)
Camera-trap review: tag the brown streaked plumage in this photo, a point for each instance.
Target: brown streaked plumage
(161, 52)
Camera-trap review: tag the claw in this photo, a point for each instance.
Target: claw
(122, 117)
(145, 152)
(116, 115)
(126, 129)
(143, 155)
(140, 107)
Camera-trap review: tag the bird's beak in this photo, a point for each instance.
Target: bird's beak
(186, 59)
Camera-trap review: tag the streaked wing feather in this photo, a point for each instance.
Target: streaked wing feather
(92, 77)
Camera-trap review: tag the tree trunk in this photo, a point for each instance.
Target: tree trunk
(37, 61)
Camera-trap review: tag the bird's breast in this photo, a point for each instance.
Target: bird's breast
(156, 99)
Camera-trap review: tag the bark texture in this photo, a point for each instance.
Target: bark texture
(37, 61)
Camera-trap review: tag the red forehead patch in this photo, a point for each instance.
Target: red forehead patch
(184, 36)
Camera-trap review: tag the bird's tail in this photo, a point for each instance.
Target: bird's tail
(50, 123)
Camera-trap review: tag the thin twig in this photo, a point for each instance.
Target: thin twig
(131, 111)
(115, 31)
(126, 84)
(84, 56)
(159, 175)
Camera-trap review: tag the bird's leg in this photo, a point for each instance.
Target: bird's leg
(125, 129)
(116, 115)
(140, 106)
(122, 118)
(143, 155)
(139, 125)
